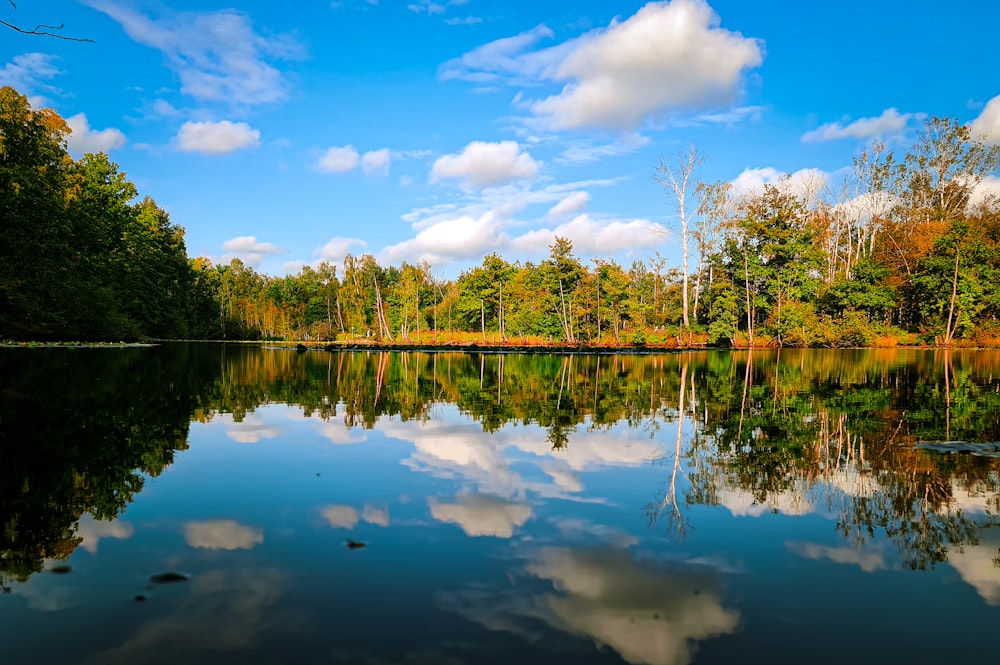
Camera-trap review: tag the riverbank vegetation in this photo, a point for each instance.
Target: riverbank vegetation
(905, 252)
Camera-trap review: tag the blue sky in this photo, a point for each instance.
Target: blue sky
(289, 133)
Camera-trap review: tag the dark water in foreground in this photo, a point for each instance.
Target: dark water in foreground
(689, 508)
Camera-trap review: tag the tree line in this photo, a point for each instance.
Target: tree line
(906, 250)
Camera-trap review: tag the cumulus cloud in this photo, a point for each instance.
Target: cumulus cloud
(249, 250)
(216, 138)
(376, 162)
(85, 139)
(218, 55)
(447, 240)
(485, 223)
(222, 535)
(988, 186)
(669, 57)
(595, 236)
(890, 122)
(803, 182)
(988, 123)
(338, 247)
(481, 515)
(338, 159)
(573, 202)
(483, 164)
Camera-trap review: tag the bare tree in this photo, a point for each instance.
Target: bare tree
(677, 177)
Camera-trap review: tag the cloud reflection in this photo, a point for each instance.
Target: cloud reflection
(222, 535)
(482, 515)
(93, 531)
(648, 612)
(866, 561)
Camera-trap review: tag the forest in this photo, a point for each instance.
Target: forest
(906, 251)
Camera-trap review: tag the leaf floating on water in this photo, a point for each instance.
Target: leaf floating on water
(169, 577)
(980, 449)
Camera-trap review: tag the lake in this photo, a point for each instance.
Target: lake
(211, 503)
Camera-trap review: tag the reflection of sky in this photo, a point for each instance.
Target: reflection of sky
(221, 612)
(222, 535)
(650, 613)
(513, 539)
(92, 531)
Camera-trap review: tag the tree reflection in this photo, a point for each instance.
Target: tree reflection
(80, 429)
(790, 431)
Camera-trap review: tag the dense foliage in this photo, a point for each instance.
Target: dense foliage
(907, 252)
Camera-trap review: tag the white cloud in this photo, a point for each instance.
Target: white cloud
(988, 186)
(803, 182)
(573, 202)
(451, 239)
(668, 58)
(595, 236)
(249, 250)
(92, 531)
(483, 164)
(216, 138)
(26, 73)
(338, 247)
(890, 122)
(340, 517)
(376, 162)
(484, 223)
(84, 139)
(222, 535)
(217, 55)
(481, 515)
(988, 122)
(338, 159)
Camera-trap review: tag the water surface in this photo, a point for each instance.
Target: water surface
(711, 507)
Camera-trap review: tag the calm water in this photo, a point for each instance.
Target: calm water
(706, 507)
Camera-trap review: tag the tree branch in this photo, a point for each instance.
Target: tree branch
(42, 30)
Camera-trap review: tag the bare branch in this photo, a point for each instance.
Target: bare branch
(43, 30)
